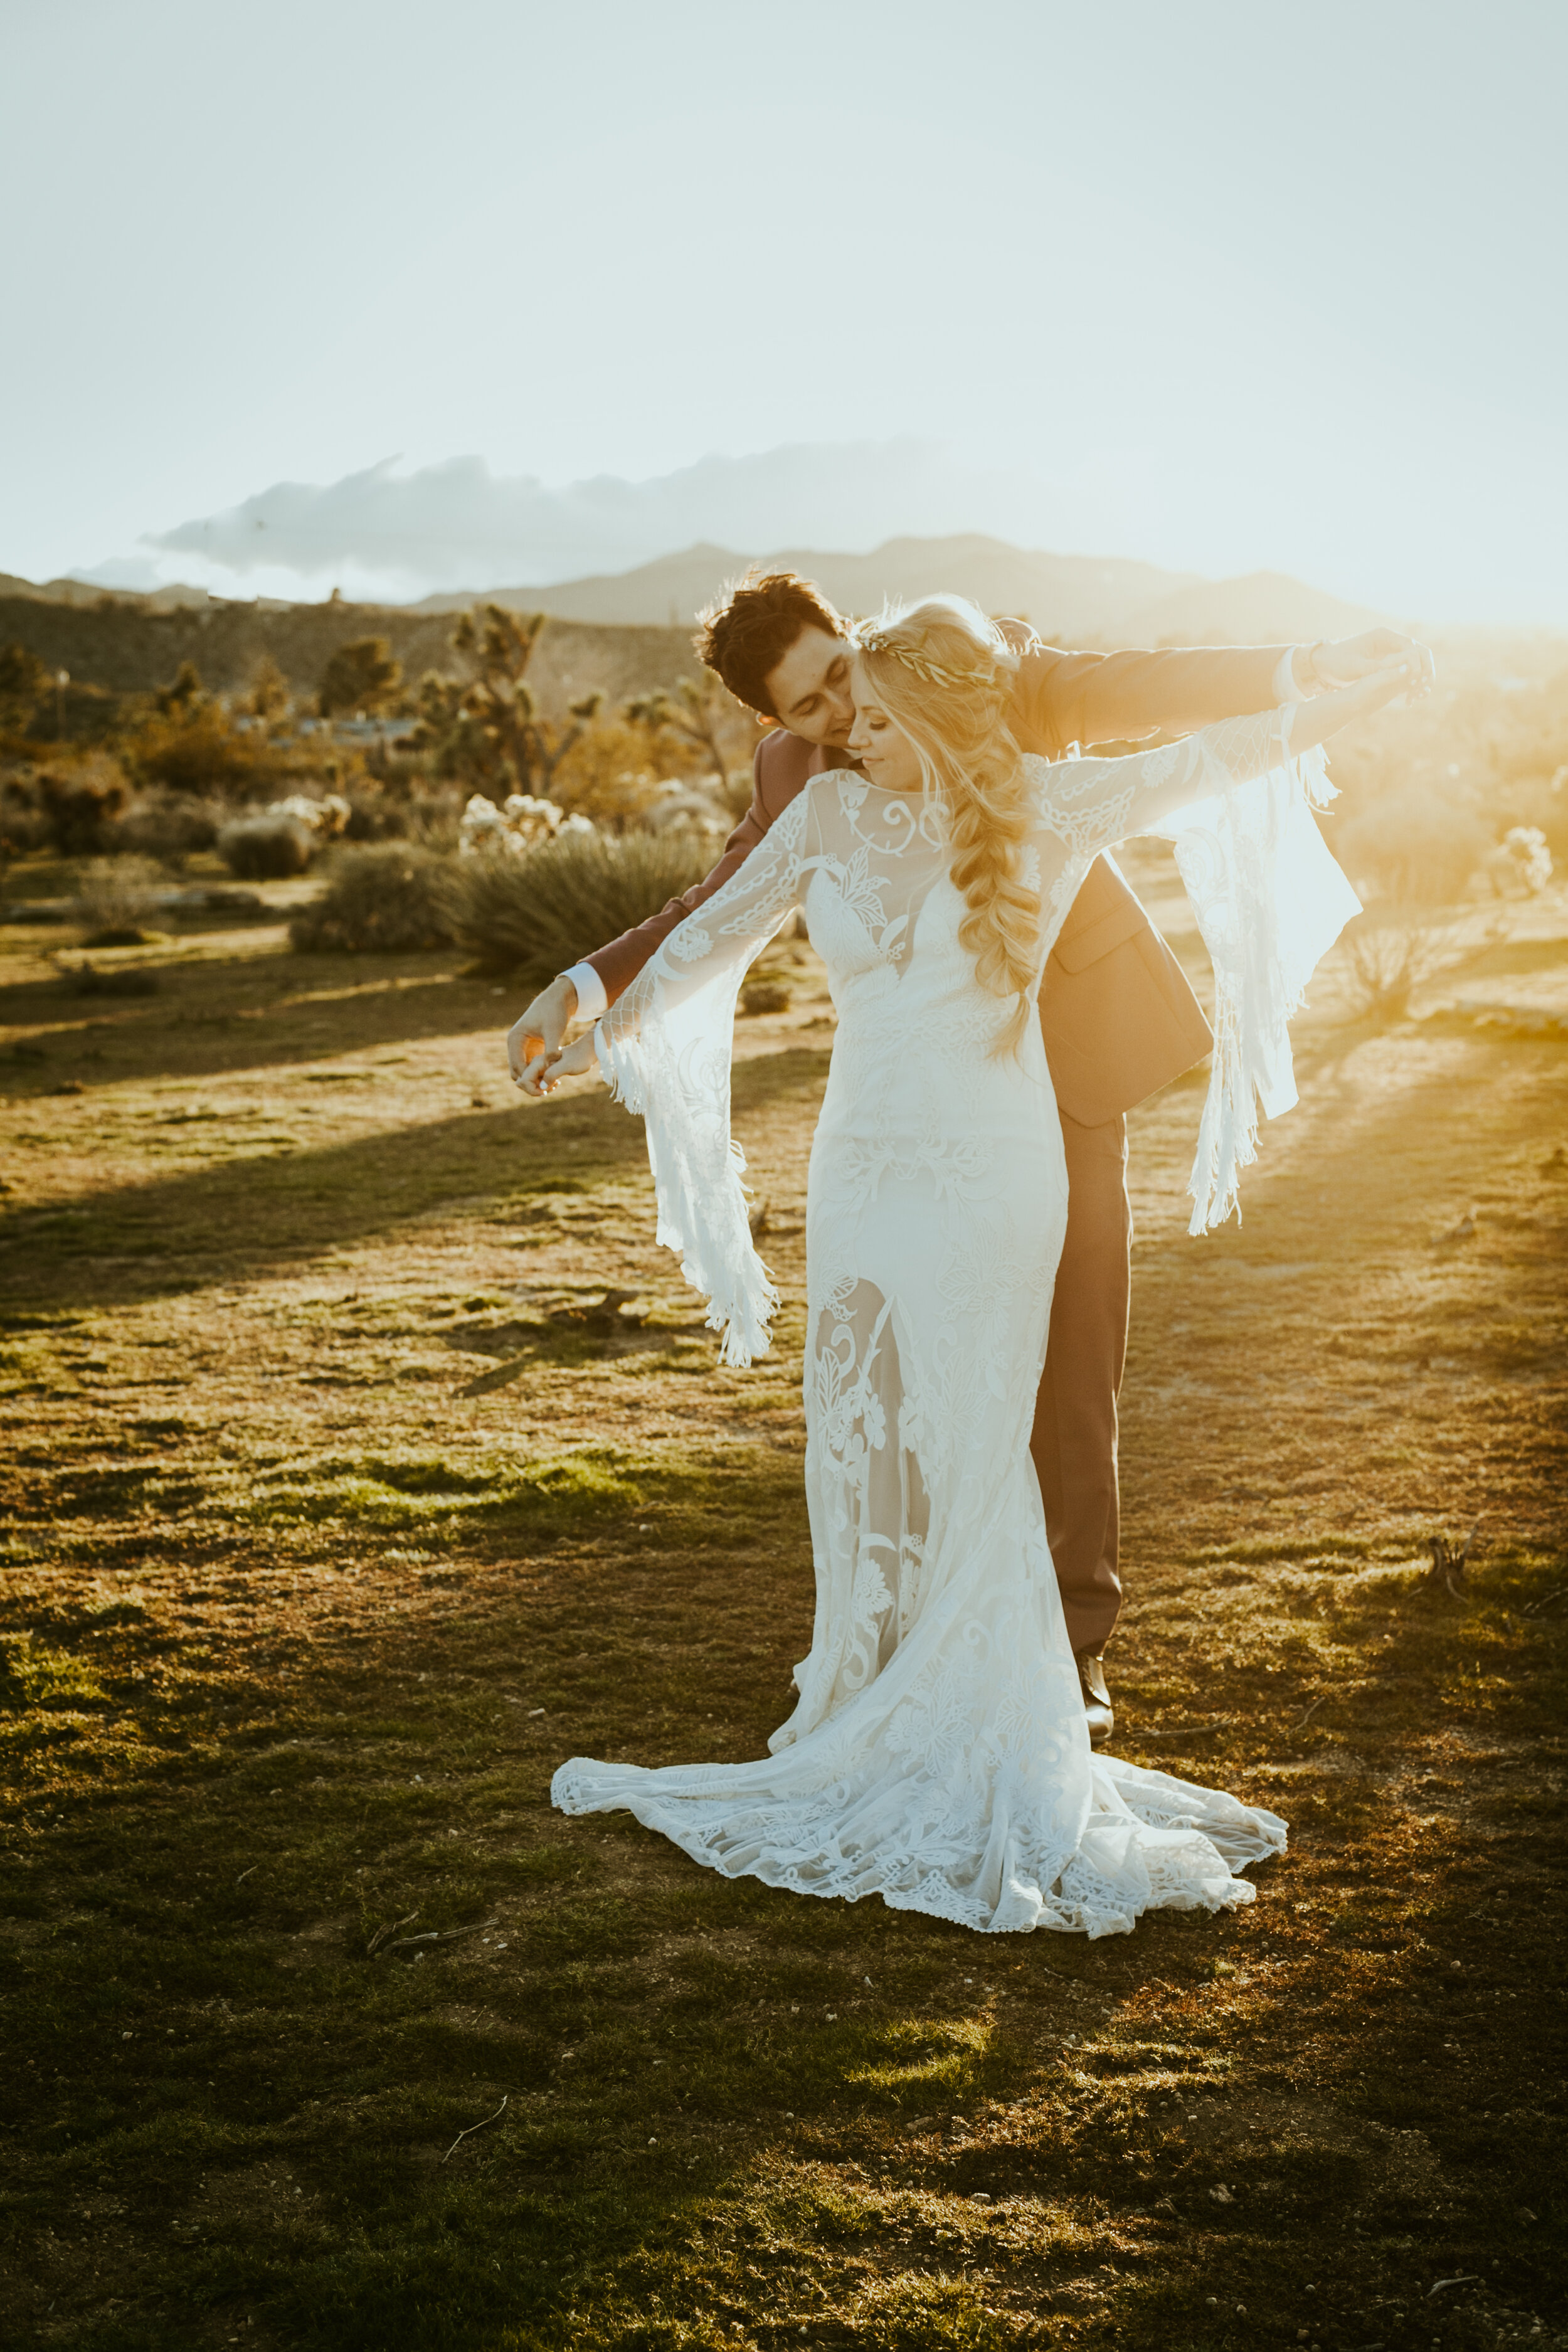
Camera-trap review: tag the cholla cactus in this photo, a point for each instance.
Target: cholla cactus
(1520, 865)
(521, 824)
(686, 804)
(1526, 847)
(325, 818)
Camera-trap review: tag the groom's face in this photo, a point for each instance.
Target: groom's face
(809, 689)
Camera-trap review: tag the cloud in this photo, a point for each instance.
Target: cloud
(458, 525)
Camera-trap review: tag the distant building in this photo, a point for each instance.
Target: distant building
(363, 731)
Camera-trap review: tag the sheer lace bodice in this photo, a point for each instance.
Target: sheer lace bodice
(864, 865)
(938, 1753)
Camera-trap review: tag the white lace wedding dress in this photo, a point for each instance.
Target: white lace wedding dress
(939, 1755)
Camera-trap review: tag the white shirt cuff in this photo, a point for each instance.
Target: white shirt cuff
(1285, 686)
(593, 1001)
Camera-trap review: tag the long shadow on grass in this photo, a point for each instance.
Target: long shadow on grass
(215, 1018)
(259, 1211)
(255, 1212)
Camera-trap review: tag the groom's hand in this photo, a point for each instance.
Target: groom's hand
(1346, 661)
(533, 1041)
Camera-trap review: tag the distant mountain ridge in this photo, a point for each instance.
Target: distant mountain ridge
(1078, 600)
(1081, 600)
(177, 596)
(1075, 594)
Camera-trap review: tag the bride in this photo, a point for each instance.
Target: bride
(938, 1755)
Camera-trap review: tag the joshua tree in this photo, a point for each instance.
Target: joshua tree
(364, 675)
(693, 712)
(181, 698)
(485, 728)
(267, 696)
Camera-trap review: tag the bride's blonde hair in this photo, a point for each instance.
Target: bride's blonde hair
(942, 673)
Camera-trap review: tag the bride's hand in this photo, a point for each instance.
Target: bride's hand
(1401, 681)
(578, 1061)
(1346, 661)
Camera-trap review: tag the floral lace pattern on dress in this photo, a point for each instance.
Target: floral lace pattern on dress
(938, 1754)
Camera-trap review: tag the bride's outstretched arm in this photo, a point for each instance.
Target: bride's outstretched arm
(1092, 804)
(717, 940)
(1313, 722)
(706, 956)
(1269, 900)
(665, 1048)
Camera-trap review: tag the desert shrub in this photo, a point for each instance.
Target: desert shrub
(533, 914)
(22, 826)
(696, 806)
(1386, 962)
(266, 848)
(79, 804)
(375, 815)
(23, 679)
(324, 815)
(1540, 802)
(270, 844)
(1520, 865)
(402, 776)
(1414, 845)
(519, 824)
(116, 899)
(610, 773)
(1386, 965)
(436, 818)
(165, 827)
(195, 747)
(388, 896)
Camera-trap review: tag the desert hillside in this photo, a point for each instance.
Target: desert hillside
(130, 646)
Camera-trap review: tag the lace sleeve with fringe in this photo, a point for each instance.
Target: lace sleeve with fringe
(1270, 900)
(1268, 896)
(664, 1048)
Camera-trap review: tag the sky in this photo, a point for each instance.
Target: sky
(508, 293)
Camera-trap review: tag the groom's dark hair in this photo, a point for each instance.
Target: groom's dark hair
(745, 632)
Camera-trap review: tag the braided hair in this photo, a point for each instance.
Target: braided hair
(943, 673)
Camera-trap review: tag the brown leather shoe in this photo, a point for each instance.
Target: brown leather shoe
(1096, 1697)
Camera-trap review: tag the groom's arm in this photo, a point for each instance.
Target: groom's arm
(779, 769)
(1070, 697)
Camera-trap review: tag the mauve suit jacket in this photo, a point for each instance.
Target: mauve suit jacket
(1119, 1018)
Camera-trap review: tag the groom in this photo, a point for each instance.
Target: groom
(1119, 1018)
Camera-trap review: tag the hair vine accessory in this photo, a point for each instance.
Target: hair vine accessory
(872, 640)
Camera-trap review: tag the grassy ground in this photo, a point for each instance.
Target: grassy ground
(340, 1508)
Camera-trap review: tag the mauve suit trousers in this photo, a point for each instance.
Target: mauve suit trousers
(1074, 1440)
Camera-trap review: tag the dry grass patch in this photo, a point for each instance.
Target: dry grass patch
(363, 1461)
